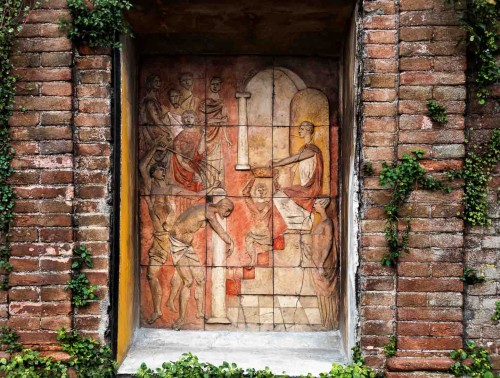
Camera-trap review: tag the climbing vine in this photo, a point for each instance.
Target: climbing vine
(88, 358)
(402, 179)
(390, 348)
(477, 171)
(480, 21)
(472, 361)
(96, 22)
(437, 112)
(12, 12)
(471, 277)
(496, 314)
(81, 290)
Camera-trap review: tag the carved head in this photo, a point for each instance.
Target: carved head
(225, 207)
(261, 190)
(157, 171)
(188, 118)
(216, 84)
(186, 80)
(306, 128)
(321, 203)
(174, 97)
(153, 82)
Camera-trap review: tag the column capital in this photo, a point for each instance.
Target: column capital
(243, 95)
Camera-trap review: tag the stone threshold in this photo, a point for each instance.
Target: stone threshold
(295, 353)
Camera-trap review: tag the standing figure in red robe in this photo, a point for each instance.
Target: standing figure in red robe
(189, 150)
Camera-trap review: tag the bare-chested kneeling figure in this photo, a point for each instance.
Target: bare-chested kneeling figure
(186, 261)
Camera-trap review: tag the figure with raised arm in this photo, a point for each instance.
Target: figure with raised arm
(295, 202)
(260, 206)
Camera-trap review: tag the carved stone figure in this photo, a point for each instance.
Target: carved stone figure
(295, 202)
(151, 116)
(189, 147)
(187, 101)
(215, 111)
(160, 211)
(173, 111)
(186, 261)
(321, 254)
(260, 207)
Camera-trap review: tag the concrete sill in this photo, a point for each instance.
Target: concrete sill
(295, 353)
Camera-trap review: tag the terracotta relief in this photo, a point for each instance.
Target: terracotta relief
(238, 169)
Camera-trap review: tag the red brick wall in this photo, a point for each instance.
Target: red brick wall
(411, 54)
(482, 244)
(61, 133)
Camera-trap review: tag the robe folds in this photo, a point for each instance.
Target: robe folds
(311, 181)
(186, 145)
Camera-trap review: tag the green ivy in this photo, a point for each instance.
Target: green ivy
(9, 340)
(437, 112)
(470, 276)
(357, 356)
(89, 357)
(190, 367)
(81, 290)
(96, 22)
(13, 12)
(390, 349)
(496, 315)
(477, 171)
(480, 21)
(402, 179)
(368, 169)
(472, 361)
(29, 364)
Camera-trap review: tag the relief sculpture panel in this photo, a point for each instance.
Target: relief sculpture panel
(238, 160)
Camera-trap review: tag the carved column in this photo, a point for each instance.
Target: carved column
(242, 160)
(218, 290)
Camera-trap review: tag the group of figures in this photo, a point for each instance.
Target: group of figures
(183, 145)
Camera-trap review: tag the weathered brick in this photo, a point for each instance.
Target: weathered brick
(380, 22)
(56, 59)
(44, 45)
(52, 147)
(57, 89)
(415, 34)
(430, 343)
(380, 51)
(42, 103)
(380, 37)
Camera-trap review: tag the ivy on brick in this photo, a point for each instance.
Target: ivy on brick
(477, 171)
(87, 358)
(471, 277)
(496, 314)
(12, 12)
(390, 348)
(480, 21)
(402, 179)
(96, 22)
(437, 112)
(472, 361)
(81, 290)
